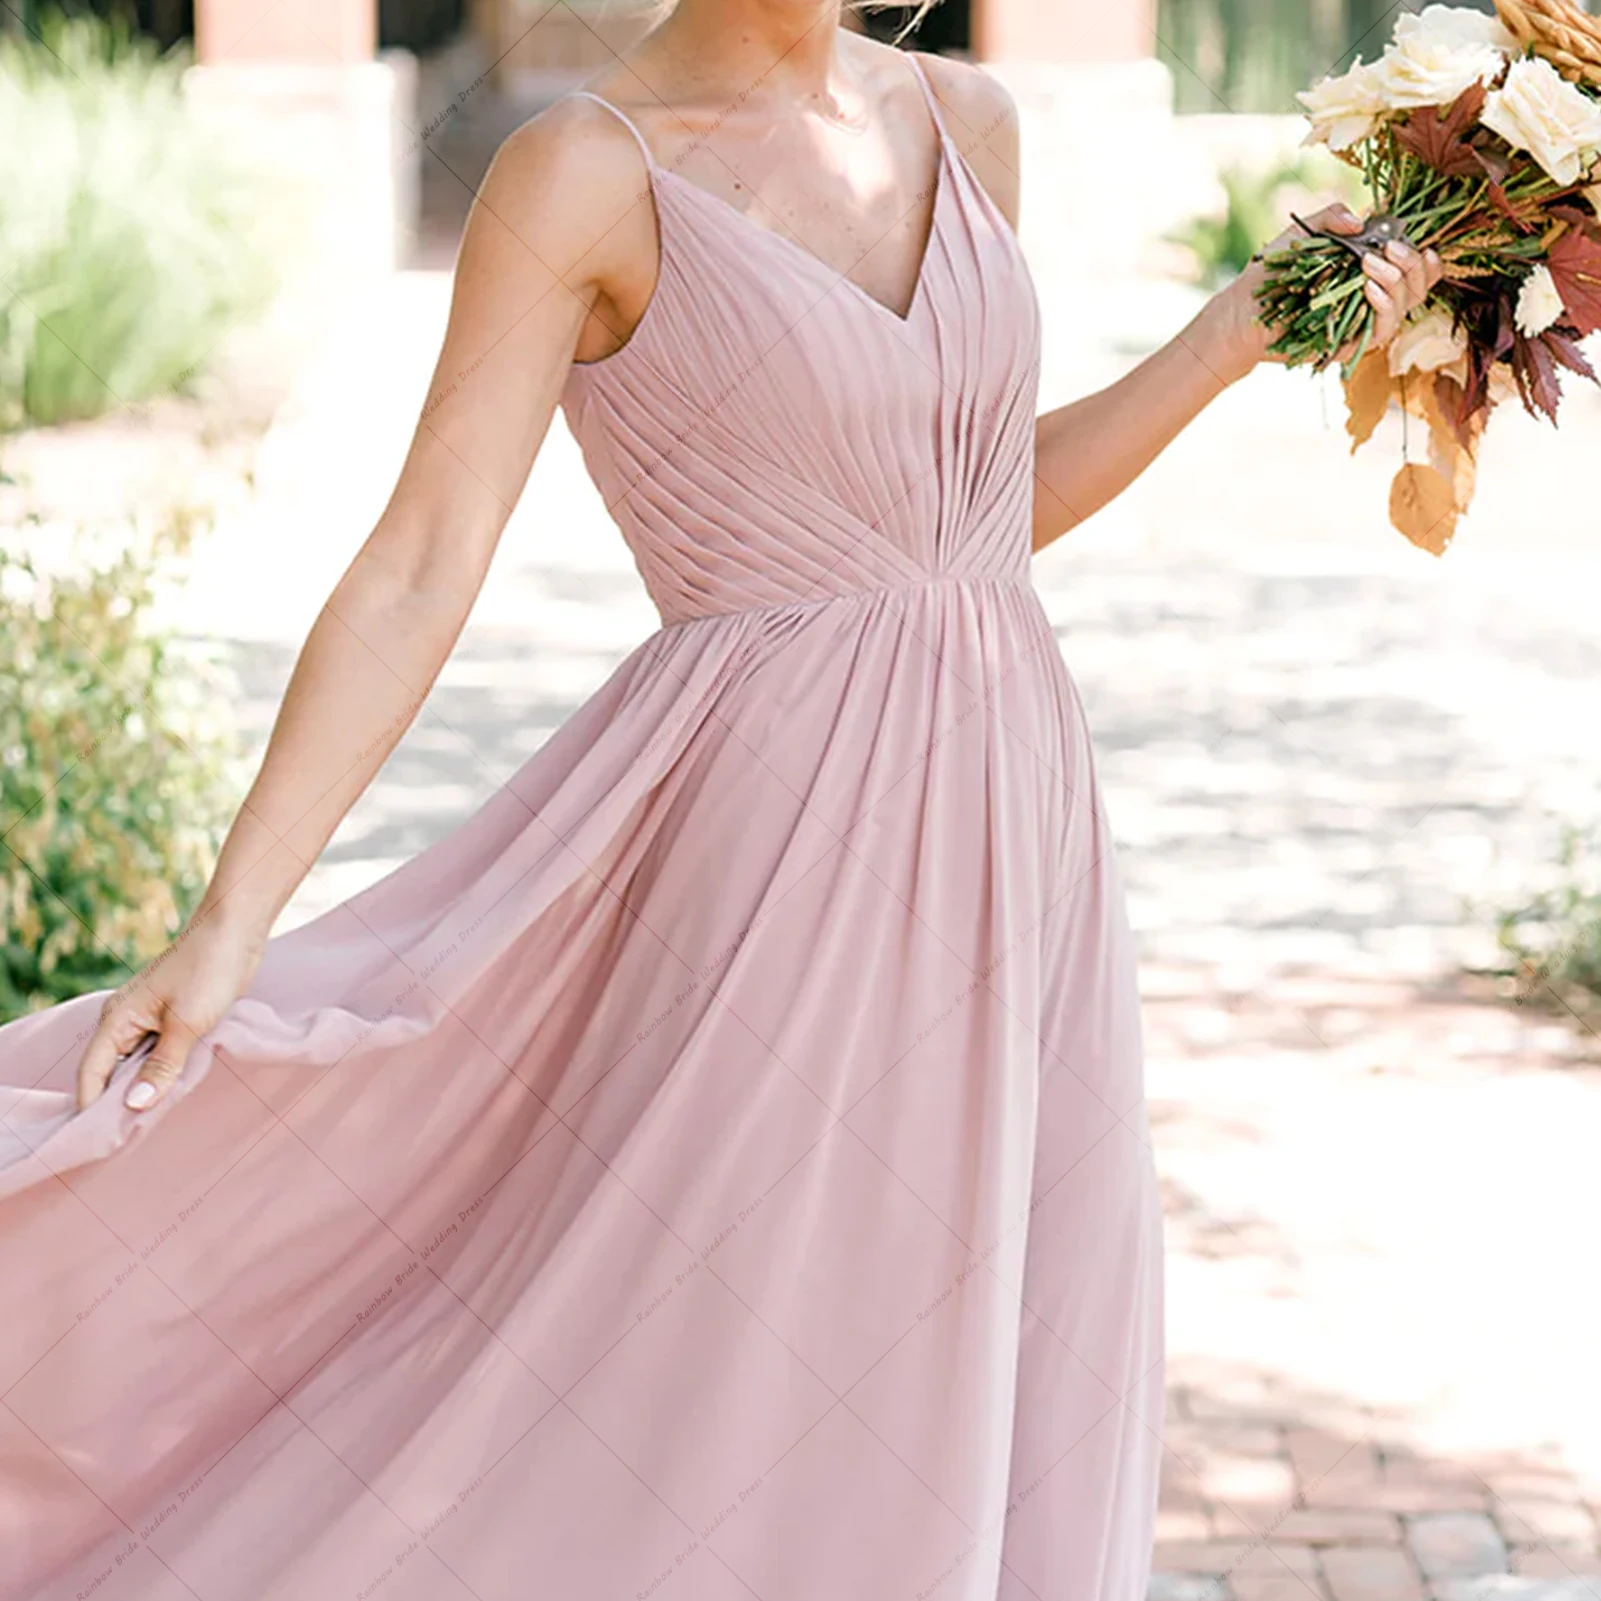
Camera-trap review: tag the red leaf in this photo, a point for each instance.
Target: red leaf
(1464, 410)
(1484, 317)
(1536, 372)
(1575, 263)
(1567, 351)
(1435, 135)
(1497, 164)
(1506, 331)
(1499, 200)
(1476, 397)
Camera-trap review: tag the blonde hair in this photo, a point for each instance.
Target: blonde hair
(922, 9)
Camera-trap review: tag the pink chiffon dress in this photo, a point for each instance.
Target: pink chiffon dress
(716, 1171)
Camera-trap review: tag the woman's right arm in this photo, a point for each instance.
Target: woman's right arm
(558, 229)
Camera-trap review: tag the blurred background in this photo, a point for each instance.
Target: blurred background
(1357, 789)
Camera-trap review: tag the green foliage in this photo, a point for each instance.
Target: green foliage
(1254, 55)
(130, 240)
(1223, 245)
(113, 757)
(1556, 938)
(1258, 203)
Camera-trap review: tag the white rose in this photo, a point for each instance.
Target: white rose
(1457, 26)
(1343, 110)
(1428, 342)
(1538, 110)
(1438, 55)
(1539, 303)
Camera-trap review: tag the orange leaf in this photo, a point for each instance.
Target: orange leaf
(1454, 457)
(1412, 391)
(1367, 397)
(1457, 466)
(1423, 507)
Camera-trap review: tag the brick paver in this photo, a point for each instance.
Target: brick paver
(1448, 1544)
(1558, 1562)
(1266, 1543)
(1552, 1521)
(1367, 1573)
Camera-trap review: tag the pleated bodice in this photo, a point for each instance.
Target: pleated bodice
(771, 434)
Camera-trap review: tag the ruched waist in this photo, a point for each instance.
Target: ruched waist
(1015, 580)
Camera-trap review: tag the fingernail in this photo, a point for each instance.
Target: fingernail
(141, 1094)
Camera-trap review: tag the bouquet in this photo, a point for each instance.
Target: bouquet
(1478, 136)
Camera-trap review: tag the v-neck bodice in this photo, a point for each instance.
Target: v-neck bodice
(771, 433)
(831, 275)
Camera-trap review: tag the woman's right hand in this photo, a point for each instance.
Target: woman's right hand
(561, 222)
(180, 996)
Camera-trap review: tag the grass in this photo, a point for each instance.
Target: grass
(1257, 206)
(1554, 939)
(131, 239)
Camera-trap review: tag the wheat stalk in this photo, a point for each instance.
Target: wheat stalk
(1558, 31)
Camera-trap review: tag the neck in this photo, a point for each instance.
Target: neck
(759, 48)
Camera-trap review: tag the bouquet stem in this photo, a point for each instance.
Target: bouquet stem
(1312, 295)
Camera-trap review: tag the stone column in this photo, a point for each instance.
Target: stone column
(324, 32)
(297, 87)
(1098, 135)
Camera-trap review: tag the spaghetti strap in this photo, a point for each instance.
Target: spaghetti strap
(627, 122)
(928, 94)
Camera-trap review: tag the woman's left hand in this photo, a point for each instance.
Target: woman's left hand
(1399, 281)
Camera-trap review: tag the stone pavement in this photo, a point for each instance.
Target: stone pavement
(1325, 756)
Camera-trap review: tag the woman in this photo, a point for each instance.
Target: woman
(719, 1169)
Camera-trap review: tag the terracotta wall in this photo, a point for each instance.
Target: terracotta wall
(315, 32)
(1064, 30)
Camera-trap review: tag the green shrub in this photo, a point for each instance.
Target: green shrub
(1556, 938)
(131, 242)
(1253, 55)
(113, 756)
(1258, 202)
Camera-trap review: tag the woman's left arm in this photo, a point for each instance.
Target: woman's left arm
(1089, 452)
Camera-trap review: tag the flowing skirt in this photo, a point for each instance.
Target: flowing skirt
(717, 1170)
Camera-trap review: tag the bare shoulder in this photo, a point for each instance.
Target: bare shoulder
(981, 116)
(565, 179)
